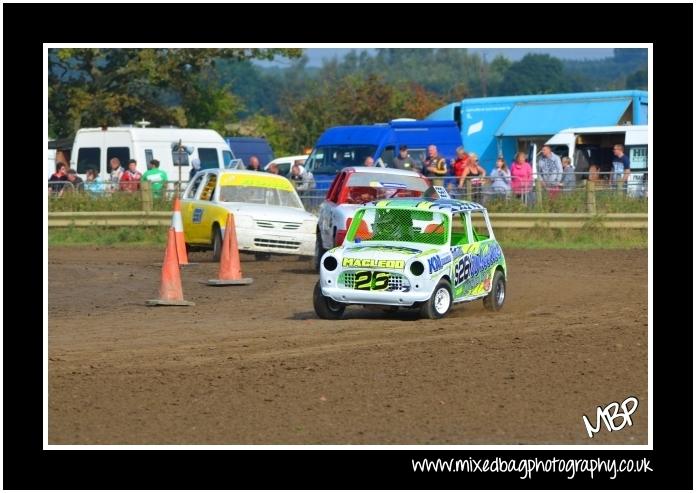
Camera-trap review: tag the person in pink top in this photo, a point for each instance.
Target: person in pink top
(521, 173)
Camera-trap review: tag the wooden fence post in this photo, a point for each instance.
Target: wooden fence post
(146, 195)
(539, 190)
(591, 198)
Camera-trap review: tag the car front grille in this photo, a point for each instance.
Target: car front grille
(282, 244)
(397, 282)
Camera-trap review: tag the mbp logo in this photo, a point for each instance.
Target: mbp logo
(609, 415)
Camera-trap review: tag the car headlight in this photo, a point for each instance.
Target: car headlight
(417, 268)
(330, 263)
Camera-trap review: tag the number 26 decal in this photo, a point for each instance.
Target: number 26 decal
(368, 280)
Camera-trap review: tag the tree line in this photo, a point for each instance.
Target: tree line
(292, 104)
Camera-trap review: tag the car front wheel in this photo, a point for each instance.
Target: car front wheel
(440, 301)
(325, 307)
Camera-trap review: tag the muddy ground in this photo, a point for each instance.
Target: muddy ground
(253, 364)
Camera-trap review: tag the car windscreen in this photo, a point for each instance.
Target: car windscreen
(402, 225)
(366, 187)
(260, 195)
(331, 159)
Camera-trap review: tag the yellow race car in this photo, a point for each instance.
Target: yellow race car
(269, 215)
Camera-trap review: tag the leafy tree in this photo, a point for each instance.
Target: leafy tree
(106, 86)
(637, 80)
(535, 74)
(353, 100)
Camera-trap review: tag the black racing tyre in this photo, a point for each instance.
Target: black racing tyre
(327, 308)
(318, 252)
(496, 298)
(217, 243)
(440, 301)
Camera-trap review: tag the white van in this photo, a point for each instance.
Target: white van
(94, 148)
(594, 145)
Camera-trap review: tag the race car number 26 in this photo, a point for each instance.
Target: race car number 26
(368, 280)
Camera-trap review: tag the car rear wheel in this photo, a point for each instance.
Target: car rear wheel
(440, 301)
(318, 252)
(325, 307)
(217, 243)
(495, 299)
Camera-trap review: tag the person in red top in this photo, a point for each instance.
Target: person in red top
(130, 179)
(521, 174)
(460, 163)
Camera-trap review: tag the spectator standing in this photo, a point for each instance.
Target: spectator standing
(254, 164)
(521, 177)
(115, 174)
(130, 179)
(435, 166)
(301, 178)
(157, 178)
(405, 161)
(568, 180)
(76, 181)
(550, 170)
(195, 167)
(621, 168)
(500, 179)
(54, 185)
(460, 162)
(273, 169)
(473, 171)
(92, 184)
(369, 161)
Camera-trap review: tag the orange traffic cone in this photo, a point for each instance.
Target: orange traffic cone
(178, 226)
(170, 287)
(230, 269)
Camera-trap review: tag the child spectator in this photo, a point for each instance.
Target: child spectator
(500, 177)
(568, 180)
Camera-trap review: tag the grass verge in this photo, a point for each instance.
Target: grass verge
(589, 237)
(103, 236)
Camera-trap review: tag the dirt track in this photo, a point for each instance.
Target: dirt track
(253, 365)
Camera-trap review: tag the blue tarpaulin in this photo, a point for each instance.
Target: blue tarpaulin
(548, 118)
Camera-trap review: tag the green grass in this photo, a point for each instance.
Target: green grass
(118, 202)
(569, 202)
(103, 236)
(589, 237)
(606, 202)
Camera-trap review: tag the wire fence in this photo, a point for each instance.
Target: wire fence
(570, 192)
